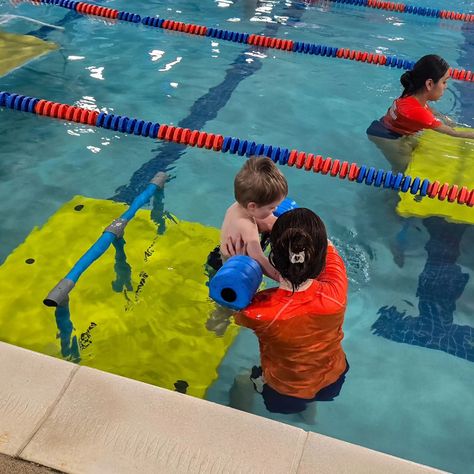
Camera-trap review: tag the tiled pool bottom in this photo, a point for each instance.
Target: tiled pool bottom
(81, 420)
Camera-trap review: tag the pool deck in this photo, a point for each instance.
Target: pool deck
(81, 420)
(9, 465)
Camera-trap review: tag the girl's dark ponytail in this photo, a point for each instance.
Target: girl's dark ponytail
(407, 82)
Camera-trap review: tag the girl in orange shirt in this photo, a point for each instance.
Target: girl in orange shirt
(299, 323)
(395, 133)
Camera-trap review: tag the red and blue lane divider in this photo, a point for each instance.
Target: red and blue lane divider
(256, 40)
(283, 156)
(412, 9)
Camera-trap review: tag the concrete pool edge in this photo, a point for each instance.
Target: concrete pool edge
(77, 419)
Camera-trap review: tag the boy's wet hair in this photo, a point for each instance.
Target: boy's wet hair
(259, 181)
(430, 66)
(299, 231)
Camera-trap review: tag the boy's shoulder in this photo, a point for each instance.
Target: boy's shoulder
(240, 221)
(248, 230)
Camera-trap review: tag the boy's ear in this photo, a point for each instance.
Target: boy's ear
(251, 206)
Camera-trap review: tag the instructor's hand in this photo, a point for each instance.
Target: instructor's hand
(235, 246)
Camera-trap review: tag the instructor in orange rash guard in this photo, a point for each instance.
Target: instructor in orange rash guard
(299, 324)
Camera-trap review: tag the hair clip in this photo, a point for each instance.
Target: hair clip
(297, 257)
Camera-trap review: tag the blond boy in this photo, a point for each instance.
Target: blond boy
(258, 188)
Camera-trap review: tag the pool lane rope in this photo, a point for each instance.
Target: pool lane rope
(251, 39)
(411, 9)
(210, 141)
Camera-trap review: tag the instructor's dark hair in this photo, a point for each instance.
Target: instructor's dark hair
(301, 232)
(428, 67)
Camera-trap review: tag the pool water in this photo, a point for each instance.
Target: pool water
(409, 328)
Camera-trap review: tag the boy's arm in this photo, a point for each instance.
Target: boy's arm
(247, 238)
(255, 251)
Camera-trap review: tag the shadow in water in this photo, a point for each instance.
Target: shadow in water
(69, 344)
(439, 286)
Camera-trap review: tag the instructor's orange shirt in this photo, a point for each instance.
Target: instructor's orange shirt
(300, 334)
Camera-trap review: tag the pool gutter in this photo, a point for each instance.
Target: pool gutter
(80, 420)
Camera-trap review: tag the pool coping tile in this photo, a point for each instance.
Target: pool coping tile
(82, 420)
(107, 423)
(23, 373)
(332, 456)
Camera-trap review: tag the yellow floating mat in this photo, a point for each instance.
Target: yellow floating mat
(16, 50)
(447, 160)
(144, 318)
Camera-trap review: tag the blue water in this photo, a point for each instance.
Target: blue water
(408, 331)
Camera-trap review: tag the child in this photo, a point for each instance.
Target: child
(258, 188)
(299, 324)
(394, 134)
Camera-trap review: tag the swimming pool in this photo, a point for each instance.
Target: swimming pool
(402, 398)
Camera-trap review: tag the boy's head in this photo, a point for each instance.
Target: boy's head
(260, 186)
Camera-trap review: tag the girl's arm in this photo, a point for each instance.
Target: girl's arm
(245, 246)
(255, 251)
(447, 130)
(444, 118)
